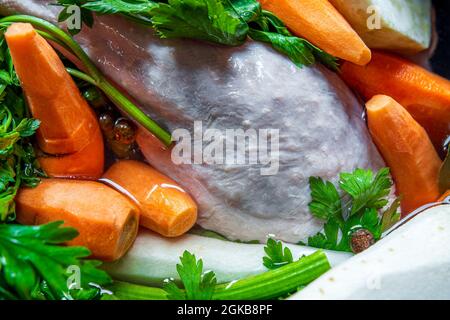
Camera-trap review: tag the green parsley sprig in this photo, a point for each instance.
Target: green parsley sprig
(18, 164)
(226, 22)
(365, 194)
(276, 256)
(34, 266)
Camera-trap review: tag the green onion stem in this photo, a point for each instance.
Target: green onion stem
(272, 284)
(93, 76)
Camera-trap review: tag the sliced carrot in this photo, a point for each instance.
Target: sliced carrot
(320, 23)
(67, 123)
(87, 163)
(445, 196)
(425, 95)
(165, 207)
(107, 221)
(407, 150)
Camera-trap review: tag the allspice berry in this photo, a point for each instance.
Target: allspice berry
(361, 240)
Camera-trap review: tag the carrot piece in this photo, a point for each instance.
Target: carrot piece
(445, 196)
(67, 123)
(107, 221)
(407, 150)
(165, 207)
(320, 23)
(425, 95)
(87, 163)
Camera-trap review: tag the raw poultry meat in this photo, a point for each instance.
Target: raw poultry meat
(177, 82)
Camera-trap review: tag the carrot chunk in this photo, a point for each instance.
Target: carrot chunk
(425, 95)
(165, 207)
(67, 123)
(106, 220)
(87, 164)
(321, 24)
(408, 151)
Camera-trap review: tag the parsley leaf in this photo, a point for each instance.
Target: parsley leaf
(198, 19)
(226, 22)
(365, 189)
(31, 255)
(197, 285)
(368, 194)
(276, 257)
(326, 200)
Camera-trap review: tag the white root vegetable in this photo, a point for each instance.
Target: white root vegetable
(400, 26)
(154, 258)
(413, 262)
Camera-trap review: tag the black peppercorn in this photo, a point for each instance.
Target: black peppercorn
(361, 240)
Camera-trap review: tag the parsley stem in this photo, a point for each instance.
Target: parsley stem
(93, 75)
(81, 75)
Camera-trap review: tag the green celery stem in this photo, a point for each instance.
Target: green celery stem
(272, 284)
(129, 291)
(276, 283)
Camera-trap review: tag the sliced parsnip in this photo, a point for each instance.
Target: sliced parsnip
(413, 262)
(154, 258)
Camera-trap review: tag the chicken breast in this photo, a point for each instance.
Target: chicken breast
(186, 85)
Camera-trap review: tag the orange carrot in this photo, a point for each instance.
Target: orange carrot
(165, 207)
(86, 164)
(107, 221)
(67, 123)
(425, 95)
(445, 196)
(407, 150)
(320, 23)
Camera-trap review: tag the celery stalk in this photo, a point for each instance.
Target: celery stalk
(272, 284)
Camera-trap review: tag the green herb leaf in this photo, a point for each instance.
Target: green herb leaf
(120, 6)
(276, 257)
(368, 194)
(227, 22)
(391, 216)
(197, 285)
(206, 20)
(326, 202)
(30, 255)
(365, 189)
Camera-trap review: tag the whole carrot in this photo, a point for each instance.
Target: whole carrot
(407, 150)
(425, 95)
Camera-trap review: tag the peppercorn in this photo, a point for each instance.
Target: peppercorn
(94, 97)
(106, 121)
(124, 131)
(361, 240)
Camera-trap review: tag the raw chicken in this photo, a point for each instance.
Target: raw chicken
(177, 82)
